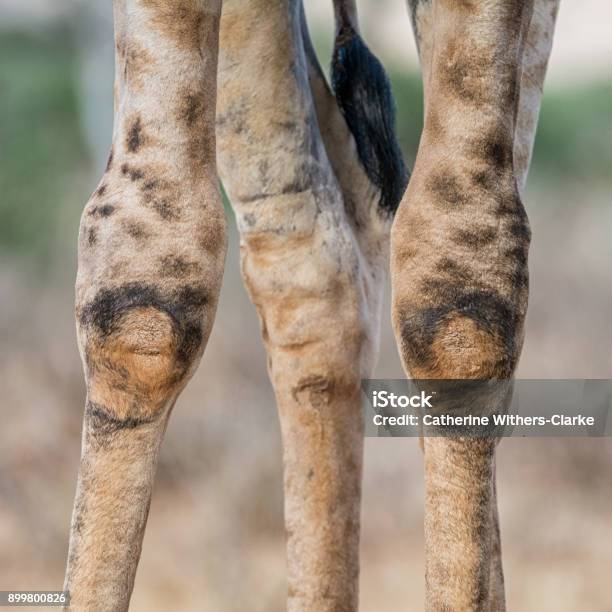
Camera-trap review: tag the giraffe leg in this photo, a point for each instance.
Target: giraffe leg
(459, 270)
(314, 277)
(151, 251)
(458, 501)
(537, 47)
(497, 599)
(536, 42)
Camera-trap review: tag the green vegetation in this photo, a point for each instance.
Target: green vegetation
(574, 139)
(41, 150)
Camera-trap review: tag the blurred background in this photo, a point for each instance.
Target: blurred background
(215, 538)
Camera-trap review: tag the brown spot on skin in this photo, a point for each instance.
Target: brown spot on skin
(453, 269)
(518, 277)
(517, 254)
(184, 21)
(494, 148)
(190, 297)
(109, 163)
(136, 230)
(134, 174)
(403, 254)
(474, 238)
(461, 5)
(193, 113)
(164, 208)
(210, 239)
(517, 16)
(434, 127)
(177, 266)
(120, 46)
(463, 71)
(192, 110)
(234, 120)
(520, 230)
(201, 147)
(80, 514)
(100, 190)
(475, 70)
(493, 157)
(138, 62)
(106, 210)
(92, 236)
(135, 136)
(150, 185)
(485, 179)
(158, 194)
(511, 206)
(446, 188)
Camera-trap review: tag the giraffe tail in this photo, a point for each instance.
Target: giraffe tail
(364, 95)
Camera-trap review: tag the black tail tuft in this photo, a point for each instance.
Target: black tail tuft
(364, 95)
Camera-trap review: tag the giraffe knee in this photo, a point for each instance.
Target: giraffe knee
(450, 343)
(139, 348)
